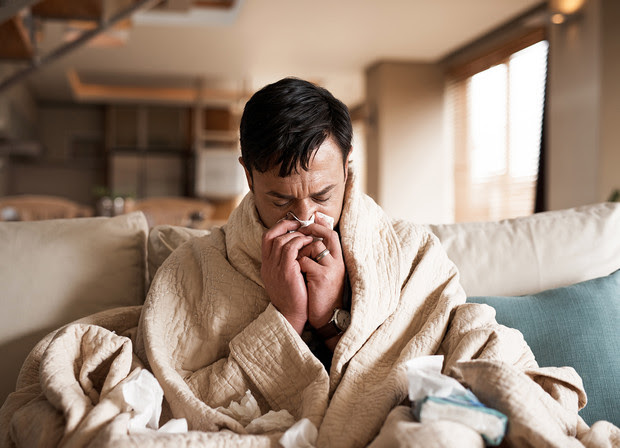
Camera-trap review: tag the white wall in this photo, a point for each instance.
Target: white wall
(409, 167)
(584, 107)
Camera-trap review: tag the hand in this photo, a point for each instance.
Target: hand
(281, 272)
(325, 278)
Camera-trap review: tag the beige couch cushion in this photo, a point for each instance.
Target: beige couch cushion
(53, 272)
(530, 254)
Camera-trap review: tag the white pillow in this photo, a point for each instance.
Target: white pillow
(530, 254)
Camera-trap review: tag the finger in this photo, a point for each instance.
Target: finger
(307, 265)
(329, 237)
(281, 242)
(312, 249)
(290, 250)
(310, 265)
(323, 256)
(279, 229)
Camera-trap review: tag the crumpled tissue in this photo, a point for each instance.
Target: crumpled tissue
(302, 434)
(248, 413)
(439, 397)
(327, 218)
(144, 395)
(425, 379)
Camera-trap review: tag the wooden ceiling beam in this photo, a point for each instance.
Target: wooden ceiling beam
(79, 10)
(63, 9)
(16, 44)
(222, 4)
(128, 93)
(62, 50)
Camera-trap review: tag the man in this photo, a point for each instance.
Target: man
(247, 329)
(259, 309)
(226, 314)
(304, 173)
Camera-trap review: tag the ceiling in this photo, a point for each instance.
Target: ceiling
(258, 41)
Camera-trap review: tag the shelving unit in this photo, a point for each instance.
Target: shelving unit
(216, 127)
(148, 150)
(217, 171)
(155, 150)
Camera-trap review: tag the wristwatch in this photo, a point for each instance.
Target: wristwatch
(338, 324)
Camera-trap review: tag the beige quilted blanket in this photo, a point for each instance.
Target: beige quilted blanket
(209, 334)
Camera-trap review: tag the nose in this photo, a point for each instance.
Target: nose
(304, 210)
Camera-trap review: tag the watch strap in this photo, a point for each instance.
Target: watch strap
(329, 330)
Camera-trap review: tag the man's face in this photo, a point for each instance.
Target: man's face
(320, 189)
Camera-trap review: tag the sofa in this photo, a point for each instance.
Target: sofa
(554, 276)
(28, 207)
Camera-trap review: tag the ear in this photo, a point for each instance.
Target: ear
(346, 164)
(248, 175)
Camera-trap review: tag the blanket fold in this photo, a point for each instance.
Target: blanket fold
(208, 333)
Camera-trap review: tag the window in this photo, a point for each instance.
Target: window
(497, 115)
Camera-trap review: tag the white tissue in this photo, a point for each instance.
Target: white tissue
(271, 421)
(175, 425)
(300, 221)
(244, 411)
(440, 397)
(144, 395)
(425, 379)
(327, 218)
(247, 412)
(302, 434)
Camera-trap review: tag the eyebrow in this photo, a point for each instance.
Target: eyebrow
(286, 196)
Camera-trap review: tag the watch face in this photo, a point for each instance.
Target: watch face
(342, 319)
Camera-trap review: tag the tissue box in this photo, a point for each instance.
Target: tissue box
(465, 409)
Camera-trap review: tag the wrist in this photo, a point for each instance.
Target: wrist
(297, 322)
(338, 324)
(319, 320)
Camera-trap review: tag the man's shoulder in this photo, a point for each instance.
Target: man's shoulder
(179, 243)
(408, 230)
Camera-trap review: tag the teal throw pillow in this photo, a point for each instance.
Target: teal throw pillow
(577, 326)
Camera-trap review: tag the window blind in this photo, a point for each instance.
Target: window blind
(497, 115)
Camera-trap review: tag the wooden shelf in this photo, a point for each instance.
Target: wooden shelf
(148, 150)
(219, 136)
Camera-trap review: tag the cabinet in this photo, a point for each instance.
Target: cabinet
(149, 150)
(217, 128)
(218, 174)
(156, 150)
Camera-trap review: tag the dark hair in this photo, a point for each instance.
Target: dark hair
(284, 124)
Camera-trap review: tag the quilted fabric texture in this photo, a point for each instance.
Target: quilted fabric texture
(211, 289)
(163, 240)
(577, 326)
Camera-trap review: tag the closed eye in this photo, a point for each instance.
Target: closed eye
(282, 204)
(321, 199)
